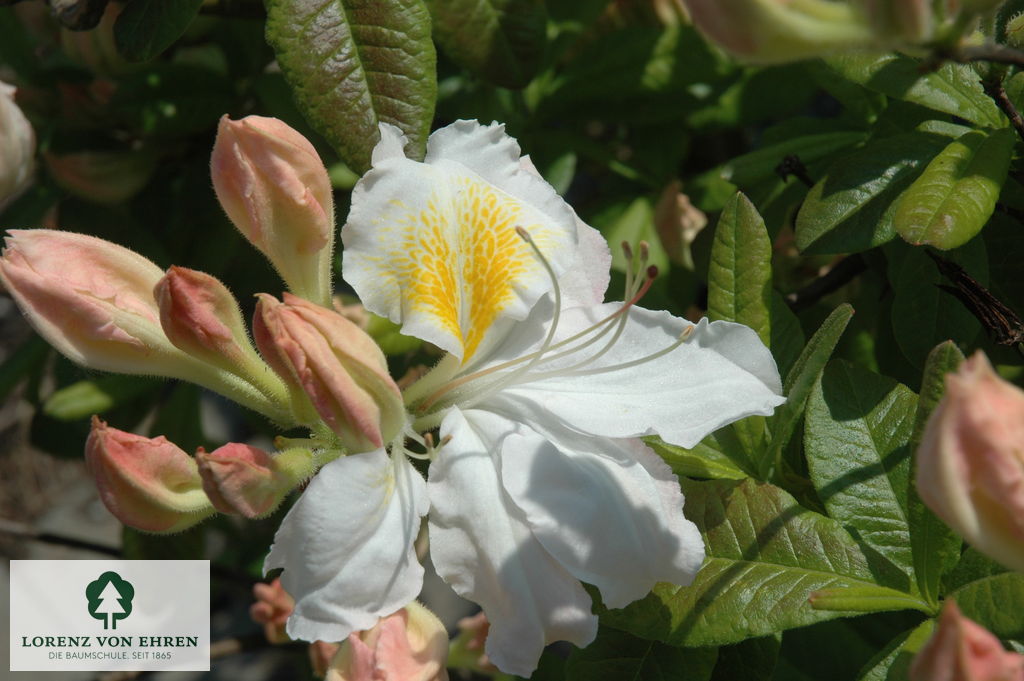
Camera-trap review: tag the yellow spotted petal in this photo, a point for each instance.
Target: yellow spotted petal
(433, 246)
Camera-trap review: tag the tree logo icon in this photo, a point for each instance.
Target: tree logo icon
(110, 598)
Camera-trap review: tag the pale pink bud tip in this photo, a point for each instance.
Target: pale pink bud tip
(91, 299)
(149, 484)
(274, 187)
(961, 650)
(970, 465)
(201, 317)
(336, 364)
(410, 645)
(243, 480)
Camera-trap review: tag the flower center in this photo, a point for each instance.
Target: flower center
(584, 348)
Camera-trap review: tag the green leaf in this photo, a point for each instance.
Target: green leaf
(760, 165)
(858, 425)
(923, 314)
(952, 88)
(766, 555)
(893, 661)
(851, 208)
(973, 565)
(353, 65)
(935, 547)
(636, 224)
(740, 272)
(703, 461)
(739, 288)
(995, 603)
(801, 379)
(866, 599)
(501, 40)
(955, 195)
(787, 335)
(750, 660)
(85, 398)
(615, 655)
(145, 28)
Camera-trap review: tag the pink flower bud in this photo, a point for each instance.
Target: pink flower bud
(201, 317)
(961, 650)
(970, 465)
(149, 484)
(337, 365)
(17, 148)
(91, 299)
(244, 480)
(272, 608)
(410, 645)
(274, 187)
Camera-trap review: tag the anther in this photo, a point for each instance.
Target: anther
(645, 251)
(652, 272)
(627, 251)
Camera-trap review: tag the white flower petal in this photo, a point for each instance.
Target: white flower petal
(586, 281)
(392, 144)
(721, 374)
(433, 246)
(482, 547)
(347, 546)
(610, 511)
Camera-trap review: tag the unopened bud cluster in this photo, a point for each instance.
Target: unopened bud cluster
(109, 308)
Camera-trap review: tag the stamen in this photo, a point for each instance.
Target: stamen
(529, 359)
(615, 323)
(683, 337)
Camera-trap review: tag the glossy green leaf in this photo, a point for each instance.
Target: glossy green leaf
(615, 655)
(935, 547)
(766, 555)
(740, 272)
(952, 88)
(922, 313)
(755, 166)
(353, 65)
(858, 425)
(788, 339)
(972, 566)
(739, 287)
(85, 398)
(851, 208)
(995, 603)
(145, 28)
(893, 661)
(501, 40)
(706, 460)
(866, 599)
(802, 378)
(956, 193)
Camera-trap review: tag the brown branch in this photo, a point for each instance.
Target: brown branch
(994, 89)
(990, 52)
(22, 531)
(837, 277)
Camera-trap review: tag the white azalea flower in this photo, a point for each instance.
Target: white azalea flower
(541, 481)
